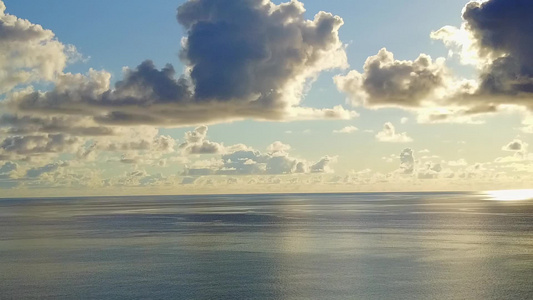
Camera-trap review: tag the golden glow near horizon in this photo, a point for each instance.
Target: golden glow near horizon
(510, 195)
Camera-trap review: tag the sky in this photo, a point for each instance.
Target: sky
(259, 96)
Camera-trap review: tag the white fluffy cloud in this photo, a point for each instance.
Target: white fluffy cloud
(28, 53)
(389, 135)
(347, 129)
(278, 148)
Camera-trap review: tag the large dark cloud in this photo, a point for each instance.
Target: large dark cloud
(501, 40)
(245, 59)
(259, 46)
(502, 29)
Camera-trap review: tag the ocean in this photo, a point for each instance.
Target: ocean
(288, 246)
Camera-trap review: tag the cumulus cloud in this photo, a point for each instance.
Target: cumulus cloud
(389, 135)
(430, 171)
(244, 59)
(422, 168)
(196, 143)
(407, 161)
(278, 148)
(28, 53)
(387, 82)
(516, 146)
(323, 165)
(347, 129)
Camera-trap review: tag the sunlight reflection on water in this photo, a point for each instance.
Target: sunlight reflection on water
(510, 195)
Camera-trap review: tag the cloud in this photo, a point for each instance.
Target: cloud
(387, 82)
(389, 135)
(278, 148)
(37, 172)
(347, 129)
(28, 53)
(31, 145)
(517, 157)
(430, 171)
(419, 169)
(140, 138)
(244, 59)
(323, 165)
(407, 161)
(252, 162)
(516, 146)
(196, 143)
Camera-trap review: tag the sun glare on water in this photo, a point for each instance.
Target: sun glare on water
(510, 195)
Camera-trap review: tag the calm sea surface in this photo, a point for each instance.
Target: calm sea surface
(315, 246)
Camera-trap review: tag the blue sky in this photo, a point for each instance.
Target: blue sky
(112, 35)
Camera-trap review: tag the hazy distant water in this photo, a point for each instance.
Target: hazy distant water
(342, 246)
